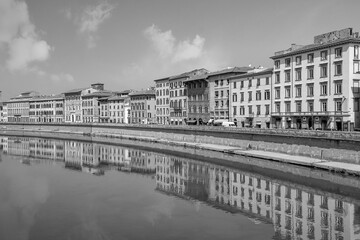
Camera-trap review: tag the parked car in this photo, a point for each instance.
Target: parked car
(228, 124)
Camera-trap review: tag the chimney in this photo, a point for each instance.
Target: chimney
(98, 86)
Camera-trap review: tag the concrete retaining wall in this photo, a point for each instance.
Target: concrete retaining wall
(223, 138)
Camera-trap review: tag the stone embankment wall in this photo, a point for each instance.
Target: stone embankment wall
(343, 146)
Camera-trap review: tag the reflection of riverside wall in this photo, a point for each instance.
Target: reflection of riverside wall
(288, 142)
(295, 213)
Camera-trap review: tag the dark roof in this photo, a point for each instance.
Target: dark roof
(231, 70)
(187, 74)
(254, 72)
(98, 94)
(197, 77)
(313, 47)
(143, 92)
(45, 98)
(116, 98)
(161, 79)
(76, 90)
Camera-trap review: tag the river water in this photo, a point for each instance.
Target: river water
(55, 189)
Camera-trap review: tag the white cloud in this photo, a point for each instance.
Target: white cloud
(92, 18)
(62, 77)
(177, 51)
(18, 34)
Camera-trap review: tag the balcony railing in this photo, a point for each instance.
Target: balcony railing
(318, 113)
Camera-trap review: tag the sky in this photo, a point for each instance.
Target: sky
(52, 46)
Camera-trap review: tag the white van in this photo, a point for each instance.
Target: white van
(228, 124)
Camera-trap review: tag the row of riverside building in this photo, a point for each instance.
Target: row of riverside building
(315, 86)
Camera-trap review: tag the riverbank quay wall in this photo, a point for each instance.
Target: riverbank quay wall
(328, 145)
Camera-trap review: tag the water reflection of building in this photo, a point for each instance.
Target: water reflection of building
(87, 157)
(47, 149)
(18, 146)
(171, 174)
(4, 144)
(295, 213)
(309, 215)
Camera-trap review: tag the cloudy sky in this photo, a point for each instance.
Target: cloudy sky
(53, 46)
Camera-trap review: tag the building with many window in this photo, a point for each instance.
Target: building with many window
(142, 103)
(198, 99)
(91, 107)
(162, 101)
(18, 108)
(47, 109)
(178, 96)
(317, 86)
(73, 102)
(219, 90)
(250, 98)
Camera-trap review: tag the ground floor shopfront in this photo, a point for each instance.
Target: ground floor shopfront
(315, 121)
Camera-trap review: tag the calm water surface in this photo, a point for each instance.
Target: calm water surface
(53, 189)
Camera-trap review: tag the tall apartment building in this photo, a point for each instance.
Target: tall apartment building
(73, 102)
(162, 101)
(219, 90)
(178, 96)
(91, 107)
(18, 108)
(198, 99)
(250, 98)
(47, 109)
(143, 110)
(317, 86)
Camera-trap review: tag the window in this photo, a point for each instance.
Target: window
(310, 58)
(277, 77)
(250, 96)
(234, 111)
(338, 68)
(323, 106)
(258, 82)
(258, 95)
(356, 104)
(287, 76)
(338, 87)
(216, 83)
(234, 85)
(267, 94)
(287, 107)
(298, 60)
(338, 105)
(287, 62)
(234, 97)
(323, 70)
(356, 51)
(338, 52)
(298, 106)
(310, 73)
(221, 93)
(250, 82)
(323, 55)
(267, 82)
(241, 84)
(277, 107)
(277, 64)
(242, 110)
(277, 93)
(356, 86)
(356, 67)
(287, 92)
(310, 90)
(258, 110)
(298, 74)
(310, 106)
(267, 109)
(298, 91)
(241, 97)
(250, 112)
